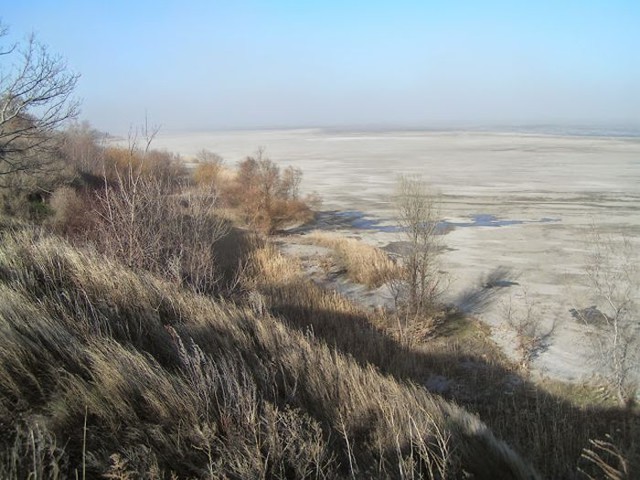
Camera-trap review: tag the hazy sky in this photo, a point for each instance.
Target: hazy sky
(224, 64)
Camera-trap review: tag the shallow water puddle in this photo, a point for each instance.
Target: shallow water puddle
(356, 219)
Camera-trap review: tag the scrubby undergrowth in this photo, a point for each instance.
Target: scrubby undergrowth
(107, 371)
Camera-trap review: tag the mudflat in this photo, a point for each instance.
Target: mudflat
(517, 207)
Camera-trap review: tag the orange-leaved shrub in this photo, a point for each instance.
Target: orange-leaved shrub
(268, 197)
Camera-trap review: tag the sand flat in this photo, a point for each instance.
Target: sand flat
(540, 194)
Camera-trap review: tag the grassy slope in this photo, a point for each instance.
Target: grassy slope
(548, 422)
(167, 381)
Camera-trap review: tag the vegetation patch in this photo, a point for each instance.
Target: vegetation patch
(105, 370)
(363, 263)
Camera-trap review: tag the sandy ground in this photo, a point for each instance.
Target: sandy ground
(520, 206)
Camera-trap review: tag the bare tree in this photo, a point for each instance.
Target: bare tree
(36, 90)
(83, 147)
(532, 333)
(290, 183)
(151, 222)
(420, 283)
(614, 320)
(268, 174)
(209, 157)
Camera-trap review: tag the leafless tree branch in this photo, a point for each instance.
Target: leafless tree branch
(35, 101)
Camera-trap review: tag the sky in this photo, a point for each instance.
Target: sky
(224, 64)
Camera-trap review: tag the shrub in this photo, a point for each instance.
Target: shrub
(206, 174)
(72, 212)
(120, 163)
(268, 198)
(148, 223)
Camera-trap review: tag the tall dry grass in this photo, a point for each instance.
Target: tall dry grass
(549, 423)
(363, 263)
(119, 373)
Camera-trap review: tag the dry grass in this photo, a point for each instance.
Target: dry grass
(170, 382)
(550, 423)
(114, 371)
(364, 263)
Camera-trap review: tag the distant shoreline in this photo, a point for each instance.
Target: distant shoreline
(541, 130)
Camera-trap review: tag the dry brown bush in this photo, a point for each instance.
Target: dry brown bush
(72, 212)
(206, 174)
(120, 162)
(268, 198)
(290, 211)
(207, 171)
(150, 221)
(25, 194)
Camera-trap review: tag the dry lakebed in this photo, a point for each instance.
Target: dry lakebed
(517, 210)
